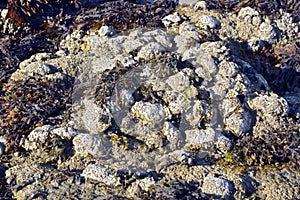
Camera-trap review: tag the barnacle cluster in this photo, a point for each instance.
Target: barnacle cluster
(25, 106)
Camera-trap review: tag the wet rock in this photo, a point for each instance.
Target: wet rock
(217, 186)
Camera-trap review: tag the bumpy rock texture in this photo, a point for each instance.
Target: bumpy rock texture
(202, 109)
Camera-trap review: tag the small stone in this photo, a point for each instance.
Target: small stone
(171, 19)
(179, 81)
(148, 112)
(216, 186)
(203, 138)
(224, 144)
(87, 144)
(102, 174)
(65, 132)
(4, 13)
(210, 21)
(106, 31)
(200, 5)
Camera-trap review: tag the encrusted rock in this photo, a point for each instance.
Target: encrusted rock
(87, 144)
(179, 81)
(65, 132)
(224, 144)
(217, 186)
(202, 138)
(102, 174)
(37, 137)
(33, 70)
(150, 113)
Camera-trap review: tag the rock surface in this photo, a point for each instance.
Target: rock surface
(160, 114)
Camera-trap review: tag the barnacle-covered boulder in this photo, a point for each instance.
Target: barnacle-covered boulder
(272, 112)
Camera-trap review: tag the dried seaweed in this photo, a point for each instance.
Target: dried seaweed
(23, 106)
(274, 149)
(270, 7)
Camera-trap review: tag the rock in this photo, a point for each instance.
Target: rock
(178, 82)
(171, 19)
(37, 137)
(102, 174)
(209, 21)
(202, 138)
(149, 113)
(150, 51)
(200, 5)
(87, 144)
(106, 31)
(217, 186)
(187, 2)
(268, 33)
(65, 132)
(90, 117)
(224, 144)
(239, 122)
(174, 136)
(33, 70)
(271, 112)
